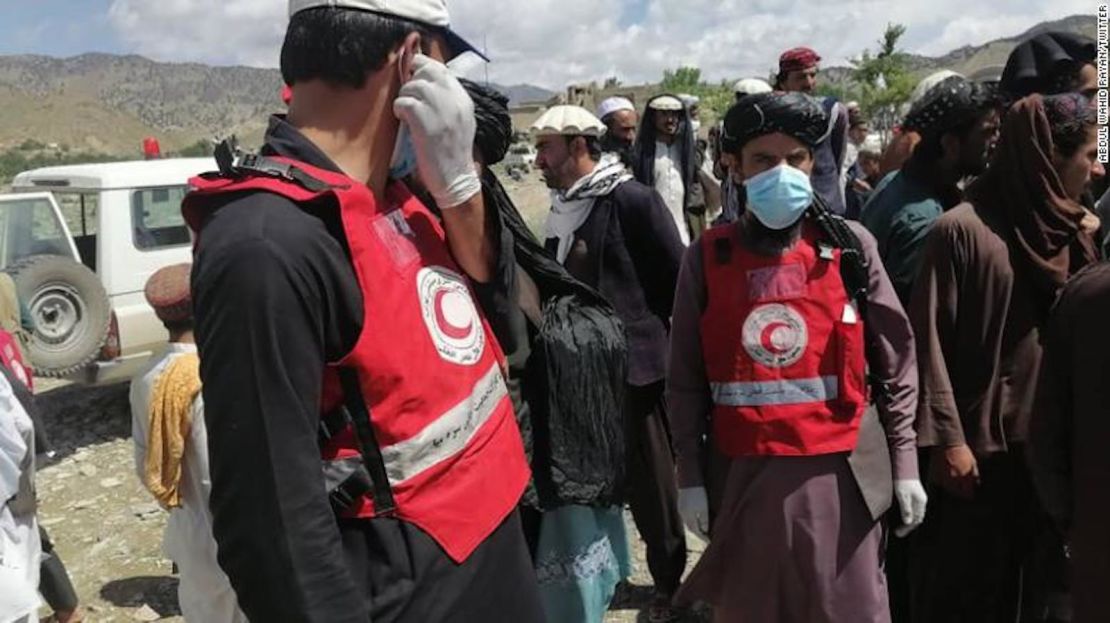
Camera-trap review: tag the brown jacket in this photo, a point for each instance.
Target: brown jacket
(978, 328)
(1069, 434)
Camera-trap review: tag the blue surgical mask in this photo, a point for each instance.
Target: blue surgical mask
(403, 163)
(779, 197)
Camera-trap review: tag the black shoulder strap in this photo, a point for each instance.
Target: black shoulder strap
(854, 269)
(367, 443)
(234, 162)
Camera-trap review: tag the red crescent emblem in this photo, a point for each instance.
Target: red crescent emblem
(768, 333)
(450, 330)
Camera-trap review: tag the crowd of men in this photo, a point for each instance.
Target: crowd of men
(876, 394)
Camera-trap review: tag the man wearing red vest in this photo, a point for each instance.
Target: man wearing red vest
(365, 461)
(779, 320)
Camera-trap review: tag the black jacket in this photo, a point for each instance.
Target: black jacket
(630, 251)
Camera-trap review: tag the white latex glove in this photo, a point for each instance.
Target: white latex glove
(693, 505)
(911, 498)
(440, 117)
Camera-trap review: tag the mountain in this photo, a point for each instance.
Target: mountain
(109, 103)
(525, 93)
(969, 59)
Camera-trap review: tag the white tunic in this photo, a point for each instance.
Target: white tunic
(204, 592)
(669, 185)
(20, 548)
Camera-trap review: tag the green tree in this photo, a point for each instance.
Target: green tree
(682, 80)
(715, 98)
(199, 149)
(884, 79)
(31, 145)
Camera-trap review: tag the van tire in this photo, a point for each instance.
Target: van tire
(69, 309)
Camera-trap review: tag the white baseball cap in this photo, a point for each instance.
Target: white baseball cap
(612, 105)
(568, 121)
(426, 12)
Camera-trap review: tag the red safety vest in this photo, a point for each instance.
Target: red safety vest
(429, 368)
(12, 359)
(783, 348)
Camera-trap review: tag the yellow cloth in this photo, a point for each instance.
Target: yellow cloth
(170, 419)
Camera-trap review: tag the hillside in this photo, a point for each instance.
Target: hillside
(107, 103)
(969, 59)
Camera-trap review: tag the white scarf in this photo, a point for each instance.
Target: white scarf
(570, 209)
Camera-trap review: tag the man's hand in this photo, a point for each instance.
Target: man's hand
(912, 501)
(693, 505)
(957, 470)
(440, 116)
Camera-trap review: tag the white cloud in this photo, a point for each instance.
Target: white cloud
(556, 42)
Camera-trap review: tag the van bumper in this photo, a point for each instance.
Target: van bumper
(109, 372)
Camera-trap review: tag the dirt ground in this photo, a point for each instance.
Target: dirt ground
(109, 531)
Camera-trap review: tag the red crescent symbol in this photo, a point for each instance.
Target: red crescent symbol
(450, 330)
(768, 332)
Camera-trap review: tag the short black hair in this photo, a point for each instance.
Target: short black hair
(340, 46)
(987, 98)
(593, 145)
(178, 326)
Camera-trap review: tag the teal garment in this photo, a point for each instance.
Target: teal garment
(581, 557)
(900, 214)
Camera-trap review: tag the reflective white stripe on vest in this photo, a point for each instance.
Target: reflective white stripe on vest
(780, 392)
(449, 433)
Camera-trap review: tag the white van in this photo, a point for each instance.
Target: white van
(80, 242)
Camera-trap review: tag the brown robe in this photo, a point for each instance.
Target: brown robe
(992, 269)
(1070, 432)
(978, 336)
(793, 540)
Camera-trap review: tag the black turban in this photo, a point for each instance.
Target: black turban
(1039, 64)
(951, 103)
(793, 114)
(495, 126)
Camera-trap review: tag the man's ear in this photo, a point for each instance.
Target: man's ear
(406, 54)
(577, 146)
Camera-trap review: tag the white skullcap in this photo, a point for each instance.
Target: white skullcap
(666, 102)
(568, 121)
(751, 86)
(689, 100)
(612, 105)
(872, 145)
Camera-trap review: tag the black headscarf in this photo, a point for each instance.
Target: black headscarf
(949, 104)
(1039, 64)
(495, 126)
(643, 150)
(793, 114)
(571, 400)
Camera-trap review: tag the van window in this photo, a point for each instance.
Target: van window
(80, 212)
(156, 218)
(29, 227)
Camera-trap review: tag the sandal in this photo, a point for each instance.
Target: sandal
(77, 616)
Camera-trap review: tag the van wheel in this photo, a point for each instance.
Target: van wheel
(69, 310)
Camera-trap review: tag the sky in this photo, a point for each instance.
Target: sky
(549, 43)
